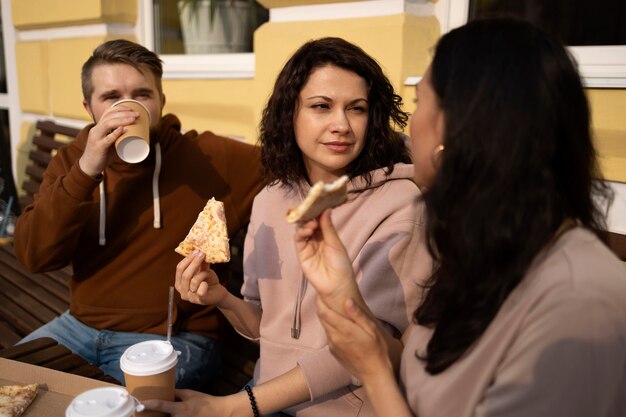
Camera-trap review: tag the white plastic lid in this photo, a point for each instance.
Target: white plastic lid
(148, 358)
(103, 402)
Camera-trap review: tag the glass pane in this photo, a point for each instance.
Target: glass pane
(3, 72)
(9, 206)
(576, 22)
(206, 26)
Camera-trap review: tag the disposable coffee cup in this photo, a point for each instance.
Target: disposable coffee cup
(133, 146)
(150, 372)
(103, 402)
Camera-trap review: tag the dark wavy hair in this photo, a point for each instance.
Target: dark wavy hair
(121, 51)
(518, 161)
(281, 156)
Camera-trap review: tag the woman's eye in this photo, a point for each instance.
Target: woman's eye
(320, 106)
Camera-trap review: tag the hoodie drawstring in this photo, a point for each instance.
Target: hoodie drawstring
(297, 311)
(103, 205)
(156, 201)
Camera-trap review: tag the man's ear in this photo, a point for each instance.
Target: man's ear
(162, 102)
(88, 108)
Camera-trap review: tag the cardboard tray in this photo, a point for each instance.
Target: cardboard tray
(62, 387)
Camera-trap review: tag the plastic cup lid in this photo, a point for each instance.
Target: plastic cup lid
(148, 358)
(103, 402)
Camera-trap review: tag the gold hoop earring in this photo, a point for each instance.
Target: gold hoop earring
(437, 153)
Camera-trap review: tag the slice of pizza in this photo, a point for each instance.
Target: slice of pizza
(320, 197)
(209, 234)
(14, 399)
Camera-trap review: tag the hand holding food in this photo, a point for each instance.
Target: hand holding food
(320, 197)
(208, 234)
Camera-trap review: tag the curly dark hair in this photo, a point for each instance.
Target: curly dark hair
(121, 51)
(281, 156)
(518, 161)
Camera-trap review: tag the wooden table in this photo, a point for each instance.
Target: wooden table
(46, 352)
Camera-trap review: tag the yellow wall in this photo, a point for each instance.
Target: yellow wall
(608, 108)
(268, 4)
(28, 14)
(233, 107)
(49, 83)
(33, 82)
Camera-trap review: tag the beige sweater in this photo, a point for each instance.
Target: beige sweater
(382, 229)
(557, 347)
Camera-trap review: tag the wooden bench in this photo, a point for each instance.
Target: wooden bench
(617, 243)
(49, 138)
(27, 301)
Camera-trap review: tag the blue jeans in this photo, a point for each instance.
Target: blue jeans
(198, 363)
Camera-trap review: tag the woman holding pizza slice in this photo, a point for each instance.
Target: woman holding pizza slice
(525, 313)
(332, 113)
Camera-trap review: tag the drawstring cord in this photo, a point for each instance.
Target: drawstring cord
(297, 314)
(156, 200)
(156, 203)
(103, 204)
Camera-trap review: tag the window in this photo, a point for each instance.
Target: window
(595, 30)
(577, 23)
(203, 38)
(9, 206)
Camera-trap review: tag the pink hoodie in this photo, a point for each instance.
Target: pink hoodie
(557, 346)
(381, 227)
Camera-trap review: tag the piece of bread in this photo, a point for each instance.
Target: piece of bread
(209, 234)
(14, 399)
(320, 197)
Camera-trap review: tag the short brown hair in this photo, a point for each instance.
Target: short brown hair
(121, 51)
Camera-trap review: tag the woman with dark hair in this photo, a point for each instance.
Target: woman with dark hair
(525, 312)
(332, 113)
(283, 159)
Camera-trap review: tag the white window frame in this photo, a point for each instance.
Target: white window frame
(599, 66)
(218, 66)
(10, 100)
(214, 66)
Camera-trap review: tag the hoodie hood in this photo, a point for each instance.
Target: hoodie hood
(161, 138)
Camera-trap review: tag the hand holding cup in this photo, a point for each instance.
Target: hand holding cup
(133, 145)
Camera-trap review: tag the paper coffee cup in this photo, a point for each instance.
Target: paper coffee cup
(103, 402)
(150, 371)
(134, 145)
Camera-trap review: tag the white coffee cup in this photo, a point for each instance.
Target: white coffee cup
(150, 371)
(103, 402)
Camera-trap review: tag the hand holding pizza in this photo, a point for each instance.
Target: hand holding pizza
(197, 282)
(325, 262)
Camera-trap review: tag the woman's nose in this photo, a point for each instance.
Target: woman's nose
(340, 122)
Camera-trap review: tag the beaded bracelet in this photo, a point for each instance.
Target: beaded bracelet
(255, 412)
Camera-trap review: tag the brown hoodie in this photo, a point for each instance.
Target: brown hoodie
(122, 283)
